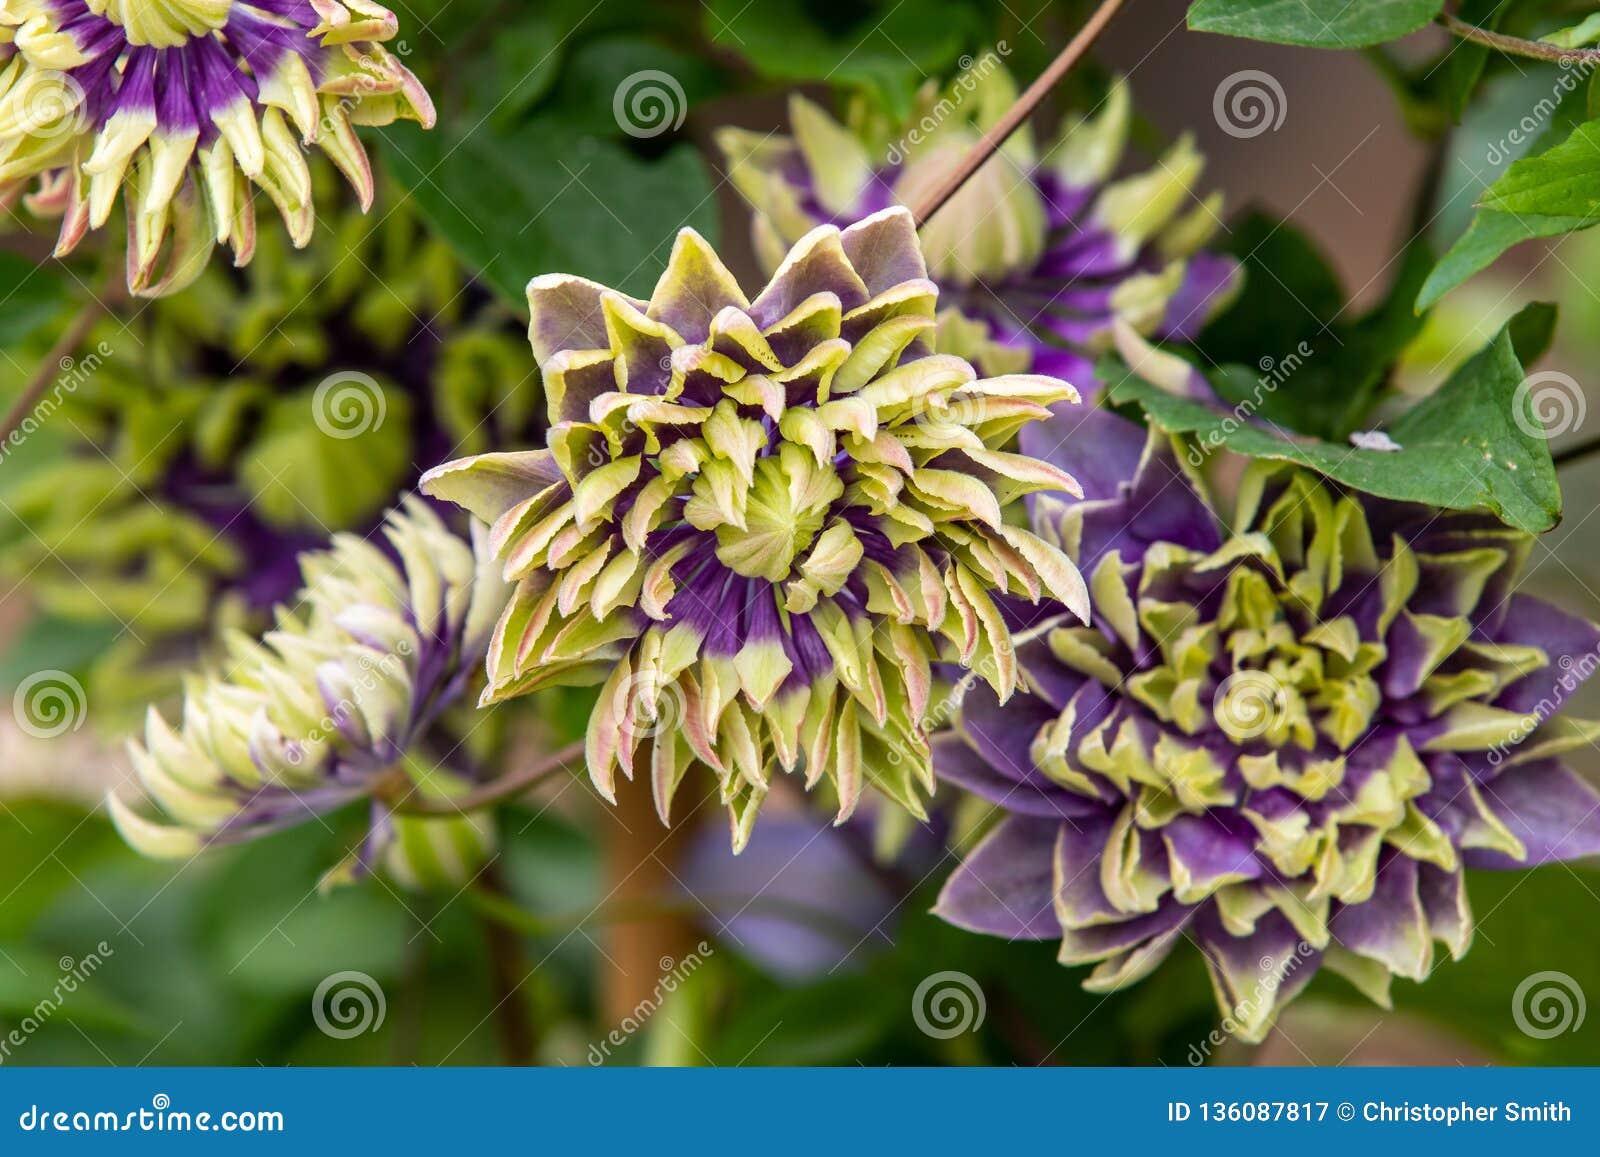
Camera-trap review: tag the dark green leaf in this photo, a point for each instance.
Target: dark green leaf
(1291, 294)
(1563, 181)
(1316, 23)
(30, 297)
(652, 86)
(1489, 235)
(537, 199)
(1464, 59)
(1284, 346)
(1461, 448)
(883, 45)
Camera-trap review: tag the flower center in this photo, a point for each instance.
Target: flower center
(785, 510)
(164, 23)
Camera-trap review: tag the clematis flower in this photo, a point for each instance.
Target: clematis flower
(1036, 256)
(244, 421)
(1282, 743)
(185, 104)
(759, 523)
(337, 704)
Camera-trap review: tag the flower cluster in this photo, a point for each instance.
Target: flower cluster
(1282, 743)
(246, 419)
(760, 523)
(1035, 257)
(186, 104)
(339, 703)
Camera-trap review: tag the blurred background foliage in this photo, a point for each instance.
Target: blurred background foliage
(529, 172)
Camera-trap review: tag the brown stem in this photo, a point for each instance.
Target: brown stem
(997, 133)
(402, 795)
(1516, 45)
(508, 970)
(51, 367)
(639, 855)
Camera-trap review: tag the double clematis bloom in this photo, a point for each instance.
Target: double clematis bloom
(248, 418)
(339, 703)
(1036, 257)
(1282, 743)
(186, 104)
(760, 523)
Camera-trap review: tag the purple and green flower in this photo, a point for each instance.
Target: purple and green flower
(760, 523)
(1036, 255)
(187, 104)
(341, 702)
(1283, 737)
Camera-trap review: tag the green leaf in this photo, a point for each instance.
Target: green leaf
(1464, 60)
(30, 297)
(613, 72)
(39, 988)
(527, 57)
(1461, 448)
(518, 203)
(882, 45)
(1315, 23)
(1583, 33)
(1489, 235)
(1563, 181)
(1284, 345)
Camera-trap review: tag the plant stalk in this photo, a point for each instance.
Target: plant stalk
(1516, 45)
(508, 971)
(52, 365)
(639, 869)
(1002, 129)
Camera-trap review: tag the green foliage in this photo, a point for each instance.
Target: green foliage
(1292, 318)
(1462, 448)
(1316, 23)
(582, 205)
(886, 47)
